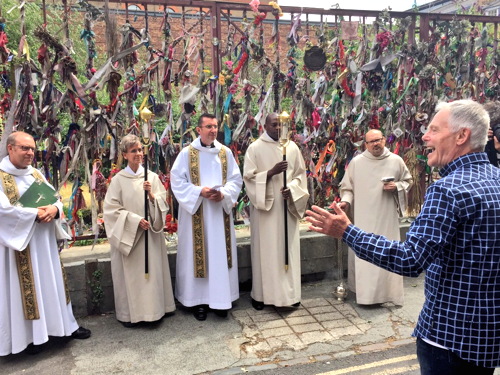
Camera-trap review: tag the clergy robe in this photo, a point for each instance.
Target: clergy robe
(271, 283)
(220, 285)
(18, 229)
(138, 299)
(375, 210)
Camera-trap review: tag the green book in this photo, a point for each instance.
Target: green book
(38, 194)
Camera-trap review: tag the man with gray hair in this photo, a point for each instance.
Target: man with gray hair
(34, 298)
(455, 239)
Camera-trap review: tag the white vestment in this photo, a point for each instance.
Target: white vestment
(271, 282)
(220, 286)
(137, 298)
(18, 229)
(375, 210)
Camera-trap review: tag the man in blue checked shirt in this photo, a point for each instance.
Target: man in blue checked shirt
(455, 239)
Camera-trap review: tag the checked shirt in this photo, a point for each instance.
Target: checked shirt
(456, 240)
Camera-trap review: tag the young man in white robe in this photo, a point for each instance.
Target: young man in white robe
(375, 184)
(34, 302)
(273, 282)
(206, 182)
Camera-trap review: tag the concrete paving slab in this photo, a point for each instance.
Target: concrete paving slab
(248, 340)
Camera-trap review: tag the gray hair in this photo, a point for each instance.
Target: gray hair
(128, 141)
(468, 114)
(11, 139)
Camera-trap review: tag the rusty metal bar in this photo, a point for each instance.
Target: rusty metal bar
(216, 36)
(340, 12)
(495, 36)
(424, 28)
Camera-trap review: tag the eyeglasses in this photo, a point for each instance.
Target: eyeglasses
(374, 141)
(25, 148)
(209, 127)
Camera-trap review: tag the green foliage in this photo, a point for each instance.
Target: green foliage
(97, 291)
(89, 242)
(85, 215)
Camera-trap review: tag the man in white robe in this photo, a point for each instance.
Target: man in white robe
(206, 182)
(39, 307)
(137, 298)
(374, 204)
(273, 283)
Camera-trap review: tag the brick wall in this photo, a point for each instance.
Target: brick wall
(157, 38)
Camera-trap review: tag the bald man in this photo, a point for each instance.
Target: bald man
(34, 300)
(374, 185)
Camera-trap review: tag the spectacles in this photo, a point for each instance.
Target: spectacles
(25, 148)
(209, 127)
(374, 141)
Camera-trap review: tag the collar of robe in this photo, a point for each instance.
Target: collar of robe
(212, 145)
(7, 166)
(198, 145)
(384, 155)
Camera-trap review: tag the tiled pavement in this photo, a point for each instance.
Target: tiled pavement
(321, 329)
(268, 332)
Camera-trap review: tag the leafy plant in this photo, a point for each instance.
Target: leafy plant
(97, 291)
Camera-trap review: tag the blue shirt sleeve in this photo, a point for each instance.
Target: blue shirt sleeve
(431, 232)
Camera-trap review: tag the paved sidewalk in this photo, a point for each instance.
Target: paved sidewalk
(321, 329)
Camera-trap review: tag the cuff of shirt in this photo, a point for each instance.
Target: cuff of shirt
(350, 235)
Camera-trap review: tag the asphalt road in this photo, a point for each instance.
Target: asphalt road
(401, 360)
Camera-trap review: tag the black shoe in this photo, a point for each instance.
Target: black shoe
(221, 313)
(257, 305)
(200, 312)
(33, 349)
(129, 324)
(81, 333)
(296, 304)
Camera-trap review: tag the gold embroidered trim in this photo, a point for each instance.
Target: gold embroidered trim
(199, 254)
(227, 224)
(23, 258)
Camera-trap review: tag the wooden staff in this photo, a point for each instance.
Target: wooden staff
(285, 206)
(146, 116)
(146, 214)
(283, 140)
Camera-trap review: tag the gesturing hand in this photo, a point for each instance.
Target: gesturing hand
(331, 224)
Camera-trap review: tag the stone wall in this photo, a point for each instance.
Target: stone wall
(319, 261)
